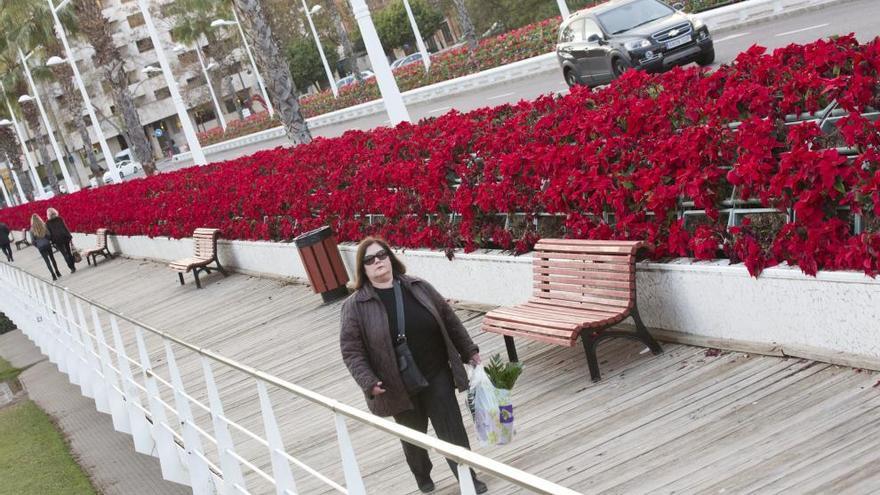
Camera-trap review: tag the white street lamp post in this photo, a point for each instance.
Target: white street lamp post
(31, 163)
(71, 187)
(247, 49)
(96, 125)
(189, 131)
(563, 8)
(219, 110)
(426, 59)
(391, 96)
(321, 49)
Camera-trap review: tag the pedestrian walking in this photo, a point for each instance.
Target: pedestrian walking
(5, 240)
(40, 233)
(60, 237)
(394, 318)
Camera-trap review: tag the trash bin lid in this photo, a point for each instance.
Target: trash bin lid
(313, 236)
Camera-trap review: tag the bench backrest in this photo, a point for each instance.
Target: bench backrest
(102, 238)
(590, 275)
(205, 243)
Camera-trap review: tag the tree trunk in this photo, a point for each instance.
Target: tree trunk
(32, 117)
(10, 147)
(74, 108)
(93, 25)
(230, 88)
(279, 82)
(347, 48)
(467, 27)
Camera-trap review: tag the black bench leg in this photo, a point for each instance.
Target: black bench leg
(511, 349)
(180, 276)
(196, 275)
(644, 335)
(590, 342)
(221, 269)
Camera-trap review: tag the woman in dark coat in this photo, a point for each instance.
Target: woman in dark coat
(440, 346)
(41, 241)
(60, 237)
(4, 241)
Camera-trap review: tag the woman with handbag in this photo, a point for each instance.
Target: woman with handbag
(406, 349)
(44, 245)
(60, 236)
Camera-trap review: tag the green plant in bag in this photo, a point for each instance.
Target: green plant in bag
(503, 375)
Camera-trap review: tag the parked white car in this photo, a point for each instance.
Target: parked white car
(127, 168)
(345, 81)
(409, 59)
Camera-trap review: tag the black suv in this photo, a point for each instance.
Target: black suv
(597, 45)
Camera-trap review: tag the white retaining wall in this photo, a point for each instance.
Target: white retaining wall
(832, 317)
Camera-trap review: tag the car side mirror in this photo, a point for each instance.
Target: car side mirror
(678, 6)
(594, 38)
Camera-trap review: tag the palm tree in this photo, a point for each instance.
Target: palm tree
(15, 19)
(111, 63)
(467, 27)
(41, 32)
(10, 147)
(191, 21)
(344, 39)
(279, 82)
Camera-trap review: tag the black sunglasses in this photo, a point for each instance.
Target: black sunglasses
(378, 255)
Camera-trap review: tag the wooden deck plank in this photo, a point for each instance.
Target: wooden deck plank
(681, 421)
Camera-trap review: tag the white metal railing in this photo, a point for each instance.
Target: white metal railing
(131, 391)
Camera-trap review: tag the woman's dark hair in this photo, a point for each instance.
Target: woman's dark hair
(360, 277)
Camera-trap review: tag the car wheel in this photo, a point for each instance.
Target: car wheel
(706, 58)
(571, 78)
(619, 66)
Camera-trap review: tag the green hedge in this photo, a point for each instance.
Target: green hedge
(6, 324)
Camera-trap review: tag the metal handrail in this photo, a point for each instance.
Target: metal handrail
(452, 452)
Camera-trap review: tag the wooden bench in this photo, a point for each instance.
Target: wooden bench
(20, 237)
(102, 249)
(204, 253)
(581, 288)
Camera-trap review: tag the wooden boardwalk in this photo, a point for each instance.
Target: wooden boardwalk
(682, 422)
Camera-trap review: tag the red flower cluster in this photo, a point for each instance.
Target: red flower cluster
(256, 122)
(625, 162)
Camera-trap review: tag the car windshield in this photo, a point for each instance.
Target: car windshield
(622, 19)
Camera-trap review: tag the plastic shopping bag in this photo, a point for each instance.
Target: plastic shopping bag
(483, 402)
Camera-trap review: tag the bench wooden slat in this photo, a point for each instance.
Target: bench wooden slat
(563, 341)
(584, 272)
(580, 282)
(580, 265)
(595, 258)
(583, 298)
(547, 289)
(534, 316)
(591, 306)
(545, 247)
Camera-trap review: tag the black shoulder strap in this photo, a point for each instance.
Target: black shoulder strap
(398, 300)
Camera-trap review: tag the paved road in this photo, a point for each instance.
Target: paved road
(858, 16)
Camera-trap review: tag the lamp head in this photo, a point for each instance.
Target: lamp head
(315, 9)
(222, 22)
(5, 122)
(25, 98)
